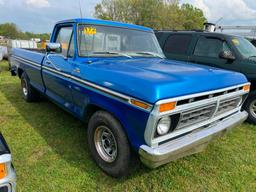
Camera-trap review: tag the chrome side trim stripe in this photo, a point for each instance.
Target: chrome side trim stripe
(99, 88)
(26, 61)
(89, 84)
(57, 72)
(86, 83)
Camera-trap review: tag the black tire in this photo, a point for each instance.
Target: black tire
(250, 101)
(119, 167)
(30, 94)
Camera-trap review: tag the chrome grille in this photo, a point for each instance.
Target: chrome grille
(207, 96)
(228, 105)
(196, 115)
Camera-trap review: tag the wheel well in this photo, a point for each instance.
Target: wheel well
(20, 71)
(90, 110)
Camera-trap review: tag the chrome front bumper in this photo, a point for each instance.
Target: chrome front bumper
(189, 144)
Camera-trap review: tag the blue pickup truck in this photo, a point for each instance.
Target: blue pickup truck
(115, 77)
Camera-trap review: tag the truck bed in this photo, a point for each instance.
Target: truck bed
(36, 50)
(35, 56)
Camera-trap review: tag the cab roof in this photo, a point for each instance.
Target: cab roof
(197, 32)
(107, 23)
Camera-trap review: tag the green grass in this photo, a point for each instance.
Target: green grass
(50, 154)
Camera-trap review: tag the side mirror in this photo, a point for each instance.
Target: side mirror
(228, 55)
(53, 47)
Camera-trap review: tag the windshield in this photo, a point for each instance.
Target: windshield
(245, 48)
(114, 41)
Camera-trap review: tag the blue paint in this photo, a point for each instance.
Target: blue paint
(104, 22)
(144, 78)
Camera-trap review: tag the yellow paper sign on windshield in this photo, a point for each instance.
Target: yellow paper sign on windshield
(236, 41)
(90, 30)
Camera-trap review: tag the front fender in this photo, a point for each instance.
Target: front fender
(133, 120)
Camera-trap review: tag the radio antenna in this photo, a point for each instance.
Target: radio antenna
(80, 7)
(219, 20)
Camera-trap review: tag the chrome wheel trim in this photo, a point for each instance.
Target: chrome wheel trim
(24, 87)
(253, 108)
(105, 144)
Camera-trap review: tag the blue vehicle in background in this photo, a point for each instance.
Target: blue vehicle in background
(115, 77)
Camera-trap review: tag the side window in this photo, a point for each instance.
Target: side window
(177, 44)
(210, 47)
(71, 50)
(63, 37)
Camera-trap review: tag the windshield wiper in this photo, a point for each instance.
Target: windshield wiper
(113, 53)
(152, 54)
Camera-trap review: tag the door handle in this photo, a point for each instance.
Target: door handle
(77, 70)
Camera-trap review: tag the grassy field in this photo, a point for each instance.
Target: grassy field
(50, 154)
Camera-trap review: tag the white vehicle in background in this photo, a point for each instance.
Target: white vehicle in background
(24, 44)
(28, 44)
(7, 172)
(3, 53)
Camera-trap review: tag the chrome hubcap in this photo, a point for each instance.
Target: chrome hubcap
(253, 108)
(24, 87)
(105, 144)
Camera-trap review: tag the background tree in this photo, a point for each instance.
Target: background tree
(11, 31)
(157, 14)
(193, 17)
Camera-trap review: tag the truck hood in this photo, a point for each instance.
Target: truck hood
(155, 79)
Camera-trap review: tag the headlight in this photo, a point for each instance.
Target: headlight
(163, 126)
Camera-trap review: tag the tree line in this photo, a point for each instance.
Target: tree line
(11, 31)
(157, 14)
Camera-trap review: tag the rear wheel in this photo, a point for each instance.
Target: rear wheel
(28, 92)
(250, 107)
(108, 144)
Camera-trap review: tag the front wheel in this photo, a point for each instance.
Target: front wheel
(108, 144)
(250, 107)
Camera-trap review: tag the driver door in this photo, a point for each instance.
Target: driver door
(57, 68)
(207, 51)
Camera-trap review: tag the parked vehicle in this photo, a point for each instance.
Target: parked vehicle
(114, 76)
(14, 43)
(3, 53)
(7, 172)
(217, 50)
(248, 32)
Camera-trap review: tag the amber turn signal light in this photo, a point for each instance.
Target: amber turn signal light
(140, 104)
(246, 88)
(3, 171)
(167, 106)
